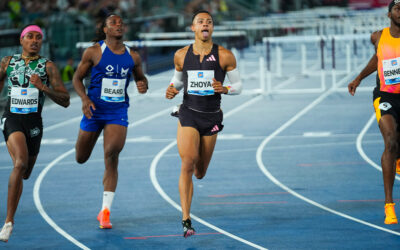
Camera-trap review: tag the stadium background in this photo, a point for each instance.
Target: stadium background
(273, 36)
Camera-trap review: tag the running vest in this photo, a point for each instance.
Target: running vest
(110, 79)
(197, 78)
(23, 96)
(388, 53)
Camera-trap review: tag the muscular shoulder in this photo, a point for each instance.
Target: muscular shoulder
(376, 36)
(181, 53)
(5, 61)
(135, 56)
(226, 59)
(179, 57)
(92, 55)
(3, 67)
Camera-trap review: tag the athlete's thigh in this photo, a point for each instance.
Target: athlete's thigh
(17, 147)
(388, 127)
(86, 141)
(207, 145)
(188, 141)
(114, 137)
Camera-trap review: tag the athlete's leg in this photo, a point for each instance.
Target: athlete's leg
(114, 141)
(188, 141)
(207, 144)
(85, 144)
(388, 127)
(18, 150)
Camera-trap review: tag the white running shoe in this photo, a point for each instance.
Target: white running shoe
(6, 231)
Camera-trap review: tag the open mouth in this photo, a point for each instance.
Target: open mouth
(205, 33)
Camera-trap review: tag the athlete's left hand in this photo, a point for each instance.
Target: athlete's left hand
(141, 87)
(37, 82)
(218, 88)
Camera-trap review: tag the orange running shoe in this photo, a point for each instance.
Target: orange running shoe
(390, 214)
(104, 219)
(398, 166)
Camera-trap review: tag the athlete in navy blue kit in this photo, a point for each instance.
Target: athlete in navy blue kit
(105, 106)
(200, 69)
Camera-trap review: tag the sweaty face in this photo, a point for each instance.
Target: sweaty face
(114, 26)
(203, 26)
(31, 42)
(394, 15)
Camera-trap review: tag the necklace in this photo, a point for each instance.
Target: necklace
(30, 58)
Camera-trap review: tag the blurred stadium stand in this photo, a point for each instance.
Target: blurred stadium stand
(67, 22)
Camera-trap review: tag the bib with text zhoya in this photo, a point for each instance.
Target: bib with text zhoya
(113, 90)
(200, 82)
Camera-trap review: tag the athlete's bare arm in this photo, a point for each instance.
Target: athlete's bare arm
(141, 81)
(90, 57)
(3, 70)
(227, 62)
(179, 58)
(370, 68)
(57, 92)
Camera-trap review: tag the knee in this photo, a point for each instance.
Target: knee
(81, 158)
(199, 174)
(111, 154)
(188, 164)
(20, 165)
(391, 145)
(189, 161)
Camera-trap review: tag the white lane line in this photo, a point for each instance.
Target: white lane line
(159, 189)
(359, 145)
(38, 204)
(317, 134)
(278, 183)
(38, 182)
(230, 151)
(60, 124)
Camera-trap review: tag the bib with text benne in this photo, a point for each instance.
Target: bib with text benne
(24, 100)
(113, 90)
(200, 82)
(391, 71)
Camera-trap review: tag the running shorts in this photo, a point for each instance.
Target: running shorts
(206, 123)
(98, 121)
(31, 127)
(387, 103)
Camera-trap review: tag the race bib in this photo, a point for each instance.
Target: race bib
(391, 71)
(113, 90)
(24, 100)
(200, 82)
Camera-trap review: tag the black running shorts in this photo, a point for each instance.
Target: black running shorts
(32, 128)
(206, 123)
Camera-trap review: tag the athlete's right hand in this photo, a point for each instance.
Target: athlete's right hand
(87, 107)
(171, 92)
(353, 86)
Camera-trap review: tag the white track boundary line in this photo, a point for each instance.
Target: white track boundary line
(159, 189)
(359, 145)
(292, 192)
(38, 182)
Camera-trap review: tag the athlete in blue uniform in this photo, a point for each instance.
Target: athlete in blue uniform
(30, 78)
(105, 106)
(200, 69)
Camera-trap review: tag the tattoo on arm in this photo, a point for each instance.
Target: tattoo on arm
(57, 93)
(3, 70)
